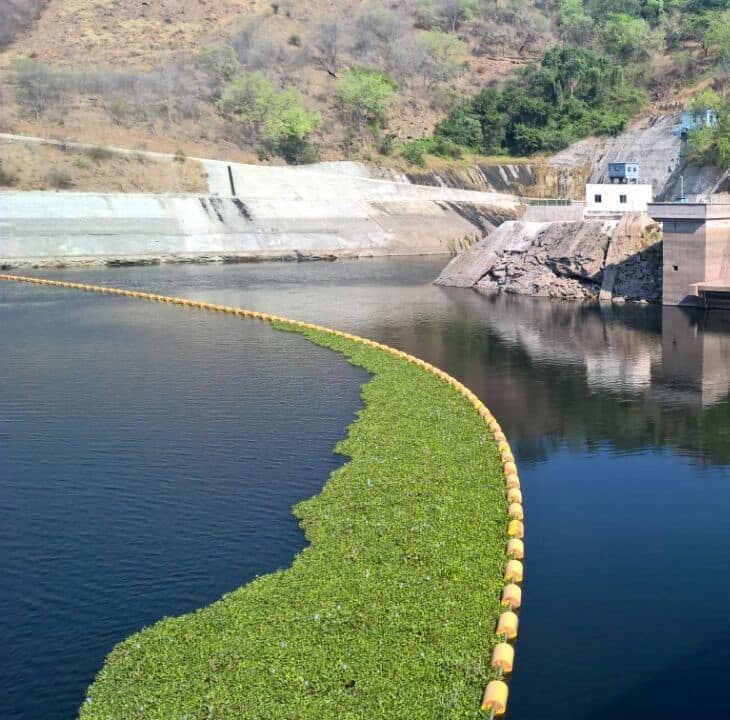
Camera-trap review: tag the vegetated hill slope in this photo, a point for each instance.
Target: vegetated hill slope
(16, 16)
(150, 89)
(307, 79)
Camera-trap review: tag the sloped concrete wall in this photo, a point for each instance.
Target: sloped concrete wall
(49, 227)
(326, 209)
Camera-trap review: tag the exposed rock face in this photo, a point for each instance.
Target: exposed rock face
(572, 260)
(633, 268)
(534, 179)
(653, 144)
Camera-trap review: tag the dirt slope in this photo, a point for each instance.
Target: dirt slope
(144, 35)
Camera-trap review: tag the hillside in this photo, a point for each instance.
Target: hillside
(254, 80)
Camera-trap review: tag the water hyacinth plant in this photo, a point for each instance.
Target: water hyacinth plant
(390, 610)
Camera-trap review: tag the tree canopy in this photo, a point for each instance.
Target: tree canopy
(572, 93)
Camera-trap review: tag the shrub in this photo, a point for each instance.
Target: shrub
(461, 127)
(7, 178)
(366, 95)
(59, 179)
(99, 153)
(180, 156)
(269, 116)
(413, 152)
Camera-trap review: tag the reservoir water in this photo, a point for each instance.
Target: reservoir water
(150, 456)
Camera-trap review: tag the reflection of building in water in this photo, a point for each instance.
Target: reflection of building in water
(695, 364)
(619, 371)
(617, 356)
(620, 348)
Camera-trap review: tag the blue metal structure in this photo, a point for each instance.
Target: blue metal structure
(623, 172)
(696, 119)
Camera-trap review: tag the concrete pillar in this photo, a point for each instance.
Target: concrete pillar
(696, 267)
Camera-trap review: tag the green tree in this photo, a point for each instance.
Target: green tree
(462, 127)
(629, 37)
(366, 95)
(441, 58)
(575, 24)
(572, 93)
(717, 34)
(487, 106)
(268, 115)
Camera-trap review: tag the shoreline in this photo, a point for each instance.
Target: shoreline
(119, 261)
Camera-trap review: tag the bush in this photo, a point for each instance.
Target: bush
(180, 156)
(385, 144)
(413, 152)
(461, 127)
(7, 178)
(366, 95)
(268, 116)
(297, 150)
(99, 153)
(383, 141)
(59, 179)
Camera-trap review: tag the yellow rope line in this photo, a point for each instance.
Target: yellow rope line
(496, 692)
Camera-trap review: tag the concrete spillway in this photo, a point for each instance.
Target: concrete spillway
(342, 209)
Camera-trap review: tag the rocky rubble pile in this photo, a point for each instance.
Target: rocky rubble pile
(613, 260)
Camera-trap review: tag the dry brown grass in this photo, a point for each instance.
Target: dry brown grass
(121, 34)
(49, 167)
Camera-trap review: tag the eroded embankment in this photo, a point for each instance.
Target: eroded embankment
(390, 611)
(612, 259)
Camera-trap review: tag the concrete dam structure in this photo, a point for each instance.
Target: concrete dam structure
(250, 212)
(696, 269)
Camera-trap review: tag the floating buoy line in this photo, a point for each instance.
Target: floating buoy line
(496, 692)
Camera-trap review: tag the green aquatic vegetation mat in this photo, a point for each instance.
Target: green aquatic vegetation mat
(390, 610)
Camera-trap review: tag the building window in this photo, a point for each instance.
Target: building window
(622, 199)
(597, 199)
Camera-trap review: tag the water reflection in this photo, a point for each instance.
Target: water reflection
(695, 366)
(620, 419)
(632, 377)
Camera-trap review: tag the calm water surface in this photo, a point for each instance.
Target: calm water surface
(151, 455)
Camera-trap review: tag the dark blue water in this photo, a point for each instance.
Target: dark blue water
(149, 460)
(620, 419)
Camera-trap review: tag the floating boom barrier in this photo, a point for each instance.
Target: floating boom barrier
(496, 693)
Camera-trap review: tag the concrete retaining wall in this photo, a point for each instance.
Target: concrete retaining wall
(554, 213)
(43, 228)
(326, 209)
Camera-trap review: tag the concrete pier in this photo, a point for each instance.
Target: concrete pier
(696, 265)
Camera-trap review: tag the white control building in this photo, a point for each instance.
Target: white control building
(616, 199)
